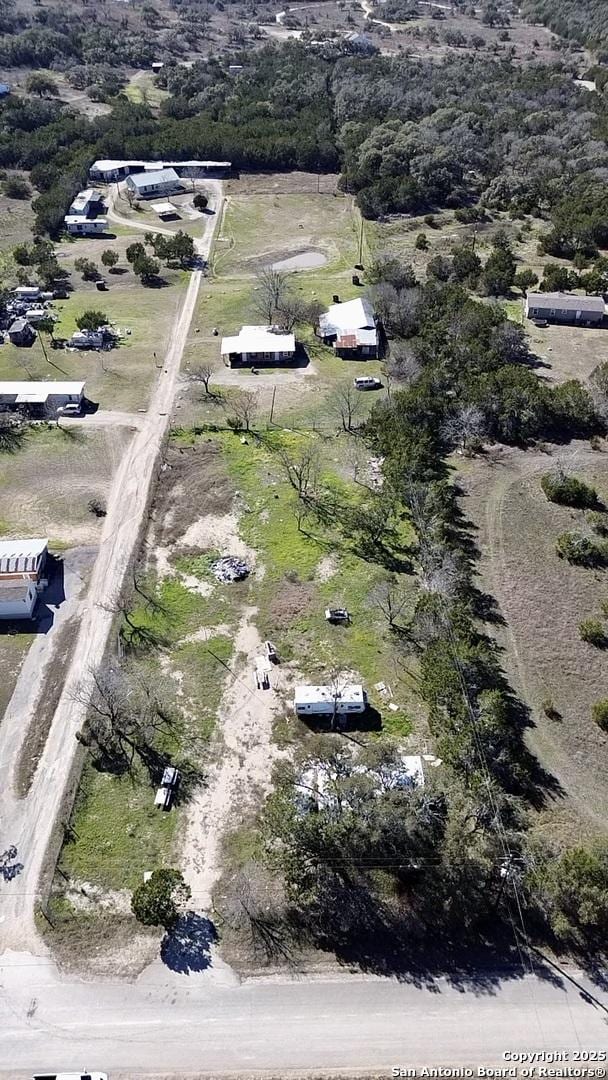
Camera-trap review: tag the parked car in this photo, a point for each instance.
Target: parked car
(337, 615)
(73, 408)
(367, 382)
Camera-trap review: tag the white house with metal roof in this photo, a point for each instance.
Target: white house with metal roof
(258, 345)
(21, 568)
(39, 398)
(109, 170)
(157, 182)
(78, 225)
(351, 328)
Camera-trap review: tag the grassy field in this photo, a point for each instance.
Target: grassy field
(543, 599)
(46, 485)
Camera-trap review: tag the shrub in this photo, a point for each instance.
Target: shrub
(17, 188)
(598, 522)
(568, 490)
(549, 709)
(579, 549)
(599, 713)
(422, 243)
(592, 631)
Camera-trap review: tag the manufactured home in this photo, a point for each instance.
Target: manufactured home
(39, 399)
(565, 308)
(258, 345)
(77, 225)
(22, 564)
(350, 328)
(329, 700)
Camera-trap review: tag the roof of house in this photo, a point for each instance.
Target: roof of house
(154, 177)
(345, 318)
(110, 165)
(14, 590)
(21, 556)
(19, 325)
(252, 339)
(69, 389)
(317, 784)
(308, 695)
(565, 302)
(82, 219)
(83, 198)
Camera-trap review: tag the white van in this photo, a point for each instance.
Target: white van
(368, 382)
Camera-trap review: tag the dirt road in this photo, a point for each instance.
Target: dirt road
(27, 824)
(215, 190)
(196, 1024)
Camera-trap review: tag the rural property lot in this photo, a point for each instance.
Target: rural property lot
(543, 599)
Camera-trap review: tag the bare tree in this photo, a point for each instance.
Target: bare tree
(126, 709)
(402, 363)
(391, 600)
(202, 373)
(301, 469)
(244, 407)
(270, 294)
(464, 426)
(348, 405)
(253, 902)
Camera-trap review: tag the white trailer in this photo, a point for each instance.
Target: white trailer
(329, 700)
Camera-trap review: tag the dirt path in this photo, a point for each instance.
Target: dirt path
(537, 645)
(28, 824)
(215, 189)
(242, 776)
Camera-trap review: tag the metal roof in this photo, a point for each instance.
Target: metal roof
(157, 176)
(111, 165)
(357, 314)
(252, 339)
(21, 556)
(565, 302)
(308, 695)
(163, 208)
(68, 389)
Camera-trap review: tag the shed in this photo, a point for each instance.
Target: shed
(21, 333)
(565, 308)
(258, 345)
(164, 209)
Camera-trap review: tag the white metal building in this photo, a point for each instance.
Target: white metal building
(258, 345)
(39, 397)
(108, 170)
(329, 700)
(351, 328)
(21, 567)
(84, 202)
(157, 182)
(77, 225)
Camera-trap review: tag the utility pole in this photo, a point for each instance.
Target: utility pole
(274, 394)
(360, 257)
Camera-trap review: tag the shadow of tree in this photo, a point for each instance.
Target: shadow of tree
(187, 946)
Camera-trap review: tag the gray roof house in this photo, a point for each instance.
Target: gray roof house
(154, 182)
(565, 308)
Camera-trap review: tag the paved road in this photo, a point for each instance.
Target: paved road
(168, 1024)
(27, 824)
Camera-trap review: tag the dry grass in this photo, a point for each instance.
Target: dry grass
(543, 599)
(46, 486)
(35, 738)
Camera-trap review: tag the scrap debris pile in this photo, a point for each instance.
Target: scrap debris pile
(229, 568)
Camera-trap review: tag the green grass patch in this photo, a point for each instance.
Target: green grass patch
(117, 831)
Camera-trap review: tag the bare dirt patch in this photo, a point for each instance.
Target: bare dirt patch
(194, 482)
(543, 599)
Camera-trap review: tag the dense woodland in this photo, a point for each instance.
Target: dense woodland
(581, 20)
(408, 135)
